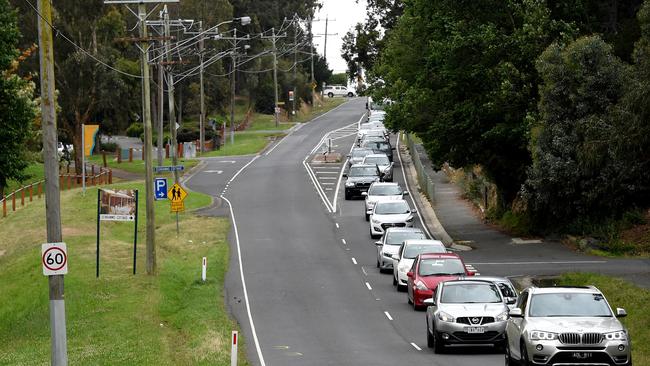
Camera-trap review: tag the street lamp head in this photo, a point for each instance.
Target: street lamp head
(245, 20)
(247, 46)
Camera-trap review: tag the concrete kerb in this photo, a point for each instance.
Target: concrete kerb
(426, 208)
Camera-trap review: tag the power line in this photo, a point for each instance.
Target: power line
(62, 35)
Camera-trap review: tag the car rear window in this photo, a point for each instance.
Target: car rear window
(361, 171)
(413, 250)
(446, 266)
(392, 208)
(385, 190)
(463, 293)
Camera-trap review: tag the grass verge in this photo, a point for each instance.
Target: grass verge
(137, 166)
(119, 319)
(246, 143)
(35, 172)
(635, 300)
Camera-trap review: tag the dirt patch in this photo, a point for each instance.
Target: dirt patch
(639, 235)
(72, 231)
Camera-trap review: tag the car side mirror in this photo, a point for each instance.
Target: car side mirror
(511, 300)
(415, 210)
(409, 274)
(365, 194)
(345, 175)
(516, 313)
(621, 313)
(379, 243)
(429, 302)
(405, 193)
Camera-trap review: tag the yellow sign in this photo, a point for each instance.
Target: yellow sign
(176, 196)
(313, 85)
(89, 133)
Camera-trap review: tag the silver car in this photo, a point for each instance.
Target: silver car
(508, 290)
(390, 243)
(566, 326)
(380, 191)
(357, 154)
(466, 312)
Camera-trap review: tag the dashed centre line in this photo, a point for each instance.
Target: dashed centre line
(354, 260)
(416, 346)
(388, 315)
(368, 286)
(344, 242)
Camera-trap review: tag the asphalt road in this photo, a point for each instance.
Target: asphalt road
(302, 281)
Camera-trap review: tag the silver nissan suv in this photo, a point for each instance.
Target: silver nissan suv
(566, 326)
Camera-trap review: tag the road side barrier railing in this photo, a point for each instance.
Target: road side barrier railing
(424, 180)
(66, 181)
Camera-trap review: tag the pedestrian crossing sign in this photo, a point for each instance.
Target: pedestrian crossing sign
(176, 196)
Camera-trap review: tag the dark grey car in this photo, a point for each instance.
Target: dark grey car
(359, 178)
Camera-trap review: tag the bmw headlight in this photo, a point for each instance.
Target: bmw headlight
(446, 317)
(502, 317)
(621, 335)
(539, 335)
(421, 286)
(410, 219)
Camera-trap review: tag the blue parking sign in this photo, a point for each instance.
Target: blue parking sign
(160, 188)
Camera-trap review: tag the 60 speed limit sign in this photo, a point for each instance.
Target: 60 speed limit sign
(54, 257)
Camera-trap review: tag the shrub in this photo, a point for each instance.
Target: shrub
(109, 146)
(135, 130)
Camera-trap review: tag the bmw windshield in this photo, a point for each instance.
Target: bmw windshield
(565, 304)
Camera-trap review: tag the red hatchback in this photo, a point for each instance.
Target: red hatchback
(428, 271)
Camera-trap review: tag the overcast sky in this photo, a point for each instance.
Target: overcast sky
(343, 15)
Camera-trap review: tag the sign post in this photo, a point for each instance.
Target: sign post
(160, 187)
(176, 196)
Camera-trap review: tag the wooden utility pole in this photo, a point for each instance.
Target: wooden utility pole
(233, 87)
(161, 113)
(59, 353)
(202, 116)
(275, 79)
(295, 68)
(148, 143)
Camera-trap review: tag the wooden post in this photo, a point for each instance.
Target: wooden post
(4, 207)
(31, 192)
(69, 182)
(166, 151)
(22, 196)
(104, 158)
(40, 189)
(143, 154)
(61, 182)
(119, 156)
(130, 155)
(92, 169)
(13, 201)
(110, 176)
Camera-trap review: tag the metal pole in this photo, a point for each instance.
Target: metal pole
(170, 94)
(233, 87)
(325, 46)
(202, 116)
(59, 353)
(311, 50)
(295, 67)
(83, 158)
(148, 148)
(275, 80)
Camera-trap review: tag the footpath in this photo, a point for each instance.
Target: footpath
(453, 220)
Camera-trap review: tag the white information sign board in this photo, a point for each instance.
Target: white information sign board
(54, 257)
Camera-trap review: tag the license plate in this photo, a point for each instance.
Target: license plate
(475, 330)
(581, 355)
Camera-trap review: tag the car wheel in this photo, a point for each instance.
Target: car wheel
(394, 280)
(438, 345)
(348, 196)
(350, 95)
(401, 288)
(367, 217)
(524, 355)
(378, 266)
(331, 95)
(508, 356)
(430, 342)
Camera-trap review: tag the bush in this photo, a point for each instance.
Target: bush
(109, 146)
(135, 130)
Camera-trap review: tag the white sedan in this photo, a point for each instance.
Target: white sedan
(380, 191)
(410, 249)
(390, 214)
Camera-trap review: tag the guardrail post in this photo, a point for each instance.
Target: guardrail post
(130, 155)
(110, 176)
(13, 201)
(104, 158)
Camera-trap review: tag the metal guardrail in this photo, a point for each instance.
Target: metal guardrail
(424, 180)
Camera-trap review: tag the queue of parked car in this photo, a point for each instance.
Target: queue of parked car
(540, 326)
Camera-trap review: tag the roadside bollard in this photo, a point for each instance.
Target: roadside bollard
(204, 268)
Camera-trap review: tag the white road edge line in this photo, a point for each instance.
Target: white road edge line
(406, 183)
(319, 189)
(243, 282)
(527, 263)
(242, 169)
(416, 346)
(388, 315)
(368, 286)
(354, 260)
(338, 183)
